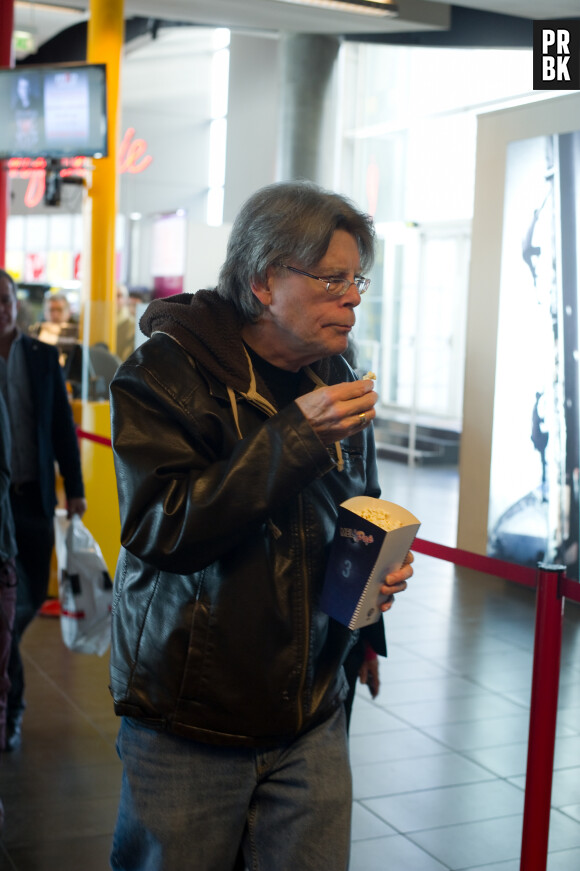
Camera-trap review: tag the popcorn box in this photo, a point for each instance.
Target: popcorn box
(372, 538)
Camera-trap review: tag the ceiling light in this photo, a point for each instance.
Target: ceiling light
(362, 7)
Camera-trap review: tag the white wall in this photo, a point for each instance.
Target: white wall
(495, 131)
(252, 118)
(166, 98)
(206, 251)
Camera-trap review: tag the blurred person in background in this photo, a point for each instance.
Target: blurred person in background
(57, 308)
(125, 324)
(58, 325)
(43, 433)
(7, 573)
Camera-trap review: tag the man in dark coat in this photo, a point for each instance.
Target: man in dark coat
(7, 573)
(43, 433)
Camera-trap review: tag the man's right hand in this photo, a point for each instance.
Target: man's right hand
(340, 410)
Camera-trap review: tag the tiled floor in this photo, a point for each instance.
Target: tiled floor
(438, 760)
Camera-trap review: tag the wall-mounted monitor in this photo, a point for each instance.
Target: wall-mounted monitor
(54, 111)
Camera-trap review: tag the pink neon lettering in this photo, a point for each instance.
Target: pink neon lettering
(132, 159)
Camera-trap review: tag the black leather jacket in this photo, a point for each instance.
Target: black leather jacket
(7, 532)
(228, 509)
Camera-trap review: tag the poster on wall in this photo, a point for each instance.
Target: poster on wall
(533, 505)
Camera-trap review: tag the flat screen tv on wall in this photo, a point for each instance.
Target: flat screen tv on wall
(57, 111)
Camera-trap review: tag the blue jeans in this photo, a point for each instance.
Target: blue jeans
(187, 806)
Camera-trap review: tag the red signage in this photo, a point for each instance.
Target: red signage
(132, 158)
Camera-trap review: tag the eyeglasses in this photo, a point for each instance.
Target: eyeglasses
(335, 286)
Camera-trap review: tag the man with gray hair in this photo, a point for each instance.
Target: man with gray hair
(238, 429)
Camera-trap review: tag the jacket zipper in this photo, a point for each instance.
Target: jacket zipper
(306, 613)
(264, 406)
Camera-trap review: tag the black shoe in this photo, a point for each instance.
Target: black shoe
(13, 732)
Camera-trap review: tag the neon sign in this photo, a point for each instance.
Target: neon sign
(132, 154)
(133, 158)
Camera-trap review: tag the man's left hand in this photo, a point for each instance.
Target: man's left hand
(396, 582)
(369, 675)
(78, 505)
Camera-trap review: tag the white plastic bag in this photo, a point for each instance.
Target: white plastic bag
(85, 590)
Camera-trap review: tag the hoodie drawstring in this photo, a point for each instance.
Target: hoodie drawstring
(234, 406)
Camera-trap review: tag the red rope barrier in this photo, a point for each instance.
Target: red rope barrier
(91, 437)
(486, 564)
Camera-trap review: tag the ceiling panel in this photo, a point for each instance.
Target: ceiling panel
(46, 18)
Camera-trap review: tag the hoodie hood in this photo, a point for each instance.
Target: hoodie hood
(208, 328)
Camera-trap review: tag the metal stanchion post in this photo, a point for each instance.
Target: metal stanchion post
(543, 711)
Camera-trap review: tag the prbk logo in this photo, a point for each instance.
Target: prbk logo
(557, 55)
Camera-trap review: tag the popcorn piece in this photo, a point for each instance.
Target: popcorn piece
(380, 518)
(369, 376)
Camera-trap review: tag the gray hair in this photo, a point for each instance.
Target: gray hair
(56, 294)
(287, 221)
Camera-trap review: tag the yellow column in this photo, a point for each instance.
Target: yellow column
(104, 45)
(102, 516)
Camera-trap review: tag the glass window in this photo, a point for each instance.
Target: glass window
(408, 157)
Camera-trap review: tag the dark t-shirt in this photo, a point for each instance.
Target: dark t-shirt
(284, 386)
